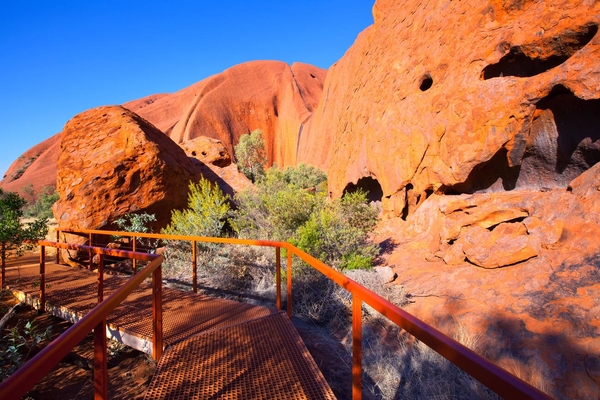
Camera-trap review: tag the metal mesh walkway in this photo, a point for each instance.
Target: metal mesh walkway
(215, 348)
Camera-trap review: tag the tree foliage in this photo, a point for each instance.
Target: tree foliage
(278, 208)
(206, 213)
(251, 155)
(41, 204)
(13, 232)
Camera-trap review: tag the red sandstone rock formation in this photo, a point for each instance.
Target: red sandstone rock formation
(36, 167)
(455, 97)
(214, 161)
(267, 95)
(536, 311)
(113, 162)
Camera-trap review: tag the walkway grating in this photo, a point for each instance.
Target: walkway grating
(215, 348)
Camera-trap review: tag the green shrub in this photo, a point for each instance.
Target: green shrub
(132, 222)
(274, 209)
(206, 215)
(251, 155)
(305, 176)
(41, 205)
(13, 233)
(338, 233)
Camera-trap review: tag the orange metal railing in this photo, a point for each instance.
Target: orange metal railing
(486, 372)
(491, 375)
(17, 385)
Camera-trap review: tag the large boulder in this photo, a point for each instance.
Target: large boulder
(113, 162)
(459, 97)
(517, 269)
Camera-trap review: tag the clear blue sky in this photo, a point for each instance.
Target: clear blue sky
(58, 58)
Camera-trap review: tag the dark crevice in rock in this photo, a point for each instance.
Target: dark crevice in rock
(538, 57)
(564, 139)
(493, 175)
(368, 185)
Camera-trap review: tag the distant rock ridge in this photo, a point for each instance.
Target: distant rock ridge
(268, 95)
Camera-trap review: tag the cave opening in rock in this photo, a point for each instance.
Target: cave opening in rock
(368, 185)
(426, 82)
(564, 138)
(492, 175)
(521, 62)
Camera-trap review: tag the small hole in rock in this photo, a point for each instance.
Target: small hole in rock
(204, 153)
(426, 83)
(194, 153)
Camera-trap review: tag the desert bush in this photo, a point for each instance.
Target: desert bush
(40, 205)
(138, 222)
(338, 233)
(251, 155)
(13, 233)
(274, 209)
(401, 367)
(305, 176)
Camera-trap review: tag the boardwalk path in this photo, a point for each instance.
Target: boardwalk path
(215, 348)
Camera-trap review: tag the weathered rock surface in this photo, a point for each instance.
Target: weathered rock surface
(113, 162)
(207, 151)
(537, 308)
(35, 167)
(268, 95)
(214, 161)
(458, 97)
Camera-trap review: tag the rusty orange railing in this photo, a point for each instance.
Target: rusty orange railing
(480, 368)
(17, 385)
(491, 375)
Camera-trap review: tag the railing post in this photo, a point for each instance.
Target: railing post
(194, 267)
(289, 282)
(100, 278)
(57, 249)
(100, 362)
(3, 276)
(356, 347)
(157, 323)
(278, 276)
(91, 243)
(42, 278)
(134, 262)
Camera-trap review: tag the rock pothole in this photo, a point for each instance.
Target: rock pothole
(532, 59)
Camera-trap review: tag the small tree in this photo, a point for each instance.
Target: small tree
(251, 155)
(206, 215)
(13, 233)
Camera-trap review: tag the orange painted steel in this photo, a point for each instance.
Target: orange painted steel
(17, 385)
(194, 267)
(278, 277)
(356, 347)
(3, 276)
(491, 375)
(42, 278)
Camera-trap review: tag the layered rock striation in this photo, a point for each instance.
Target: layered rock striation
(460, 97)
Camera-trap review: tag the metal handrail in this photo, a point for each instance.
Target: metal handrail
(17, 385)
(491, 375)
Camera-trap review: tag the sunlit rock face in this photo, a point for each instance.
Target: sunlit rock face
(272, 96)
(461, 97)
(113, 162)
